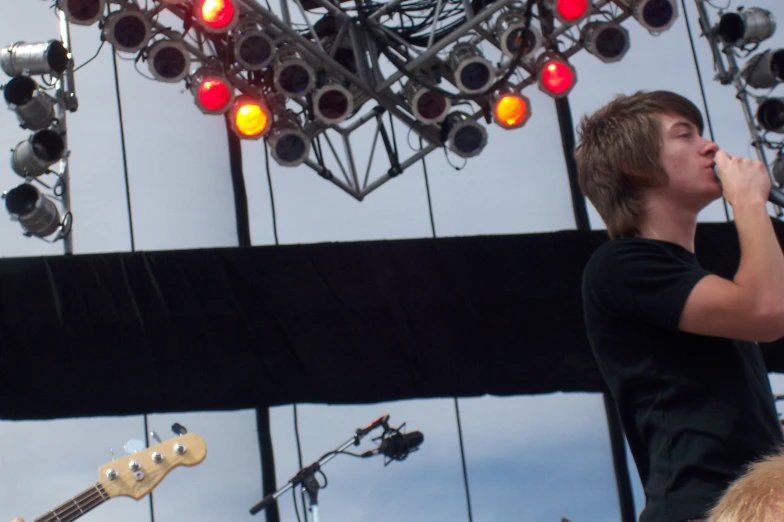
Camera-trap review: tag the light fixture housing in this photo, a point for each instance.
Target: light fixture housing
(254, 49)
(463, 135)
(511, 109)
(169, 60)
(764, 70)
(777, 169)
(128, 30)
(82, 12)
(750, 26)
(33, 157)
(293, 76)
(332, 102)
(556, 77)
(428, 106)
(37, 214)
(34, 108)
(655, 15)
(213, 93)
(35, 58)
(514, 38)
(770, 115)
(607, 41)
(289, 144)
(473, 72)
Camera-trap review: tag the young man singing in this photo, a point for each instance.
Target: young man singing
(676, 345)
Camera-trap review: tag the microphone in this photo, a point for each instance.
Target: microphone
(776, 197)
(398, 446)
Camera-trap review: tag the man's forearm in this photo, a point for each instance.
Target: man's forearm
(761, 270)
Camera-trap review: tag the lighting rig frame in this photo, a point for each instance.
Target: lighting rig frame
(725, 61)
(367, 39)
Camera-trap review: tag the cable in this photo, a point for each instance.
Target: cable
(123, 149)
(299, 457)
(275, 232)
(93, 57)
(463, 461)
(427, 189)
(702, 91)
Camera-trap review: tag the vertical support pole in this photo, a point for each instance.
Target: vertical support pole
(66, 101)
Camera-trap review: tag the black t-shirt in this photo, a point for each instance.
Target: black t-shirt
(695, 409)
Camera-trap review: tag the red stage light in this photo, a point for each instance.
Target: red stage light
(218, 15)
(556, 76)
(214, 95)
(570, 11)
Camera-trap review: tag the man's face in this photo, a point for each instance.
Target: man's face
(687, 159)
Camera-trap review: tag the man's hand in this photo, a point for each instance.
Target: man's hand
(744, 181)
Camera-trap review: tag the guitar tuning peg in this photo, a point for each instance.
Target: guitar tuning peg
(112, 452)
(154, 436)
(134, 446)
(179, 429)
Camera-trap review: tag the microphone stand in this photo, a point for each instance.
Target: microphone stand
(306, 476)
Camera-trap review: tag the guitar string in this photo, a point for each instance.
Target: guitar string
(82, 503)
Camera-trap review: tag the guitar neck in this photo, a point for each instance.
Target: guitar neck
(79, 505)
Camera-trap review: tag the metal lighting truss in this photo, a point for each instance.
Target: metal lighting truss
(382, 61)
(728, 72)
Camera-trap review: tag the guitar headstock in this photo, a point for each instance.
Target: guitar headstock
(138, 474)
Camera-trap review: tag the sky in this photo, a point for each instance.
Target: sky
(528, 457)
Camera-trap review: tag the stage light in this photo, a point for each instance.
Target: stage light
(250, 118)
(570, 11)
(655, 15)
(514, 38)
(333, 103)
(473, 72)
(35, 155)
(36, 213)
(33, 107)
(463, 135)
(290, 146)
(169, 61)
(426, 105)
(293, 76)
(253, 48)
(510, 108)
(35, 58)
(82, 12)
(770, 115)
(556, 76)
(749, 26)
(128, 30)
(764, 70)
(212, 91)
(607, 41)
(217, 16)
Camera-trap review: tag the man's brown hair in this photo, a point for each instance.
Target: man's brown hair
(618, 155)
(758, 495)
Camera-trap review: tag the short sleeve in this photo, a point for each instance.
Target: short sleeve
(643, 279)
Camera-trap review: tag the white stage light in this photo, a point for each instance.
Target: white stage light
(427, 106)
(33, 107)
(293, 76)
(749, 26)
(764, 70)
(253, 48)
(514, 38)
(655, 15)
(290, 146)
(127, 30)
(333, 103)
(82, 12)
(34, 156)
(37, 214)
(473, 72)
(35, 58)
(607, 41)
(463, 135)
(169, 61)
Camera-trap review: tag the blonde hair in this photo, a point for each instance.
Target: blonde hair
(758, 495)
(618, 155)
